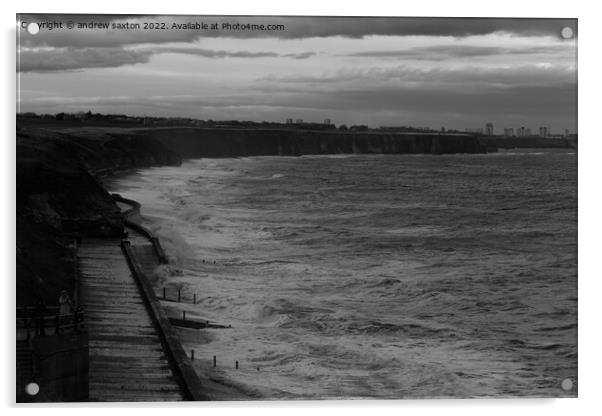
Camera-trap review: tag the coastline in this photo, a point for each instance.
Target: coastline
(63, 188)
(210, 382)
(62, 196)
(156, 215)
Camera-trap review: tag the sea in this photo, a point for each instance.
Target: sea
(375, 276)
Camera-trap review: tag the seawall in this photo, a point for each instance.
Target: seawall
(187, 377)
(197, 387)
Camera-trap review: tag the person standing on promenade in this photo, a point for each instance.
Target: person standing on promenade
(65, 306)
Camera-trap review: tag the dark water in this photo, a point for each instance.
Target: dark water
(378, 276)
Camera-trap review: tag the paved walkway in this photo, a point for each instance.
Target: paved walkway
(145, 253)
(127, 362)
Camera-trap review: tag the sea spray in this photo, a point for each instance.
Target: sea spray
(376, 276)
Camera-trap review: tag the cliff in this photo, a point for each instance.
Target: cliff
(58, 199)
(221, 142)
(529, 142)
(59, 196)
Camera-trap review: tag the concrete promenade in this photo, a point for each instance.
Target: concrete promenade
(127, 360)
(135, 352)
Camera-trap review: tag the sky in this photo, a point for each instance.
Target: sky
(426, 72)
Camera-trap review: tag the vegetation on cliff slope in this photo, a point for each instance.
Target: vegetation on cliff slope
(57, 200)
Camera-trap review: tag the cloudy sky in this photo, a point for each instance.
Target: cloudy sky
(457, 73)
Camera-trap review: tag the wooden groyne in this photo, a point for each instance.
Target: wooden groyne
(144, 254)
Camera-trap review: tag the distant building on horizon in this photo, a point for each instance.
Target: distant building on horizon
(489, 129)
(299, 121)
(289, 121)
(523, 132)
(509, 132)
(327, 121)
(544, 131)
(478, 130)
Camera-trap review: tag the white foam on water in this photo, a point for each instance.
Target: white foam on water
(357, 290)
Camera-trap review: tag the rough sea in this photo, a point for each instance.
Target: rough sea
(376, 276)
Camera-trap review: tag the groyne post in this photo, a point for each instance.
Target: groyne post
(164, 298)
(170, 341)
(191, 355)
(179, 295)
(194, 299)
(214, 361)
(183, 315)
(237, 364)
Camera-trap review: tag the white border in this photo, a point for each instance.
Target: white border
(589, 196)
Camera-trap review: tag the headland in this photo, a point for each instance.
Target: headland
(61, 168)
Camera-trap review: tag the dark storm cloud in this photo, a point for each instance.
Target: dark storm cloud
(460, 78)
(71, 58)
(50, 60)
(293, 28)
(545, 101)
(498, 77)
(442, 52)
(303, 55)
(549, 101)
(209, 53)
(540, 101)
(523, 92)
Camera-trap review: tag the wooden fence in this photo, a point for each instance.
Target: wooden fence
(50, 323)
